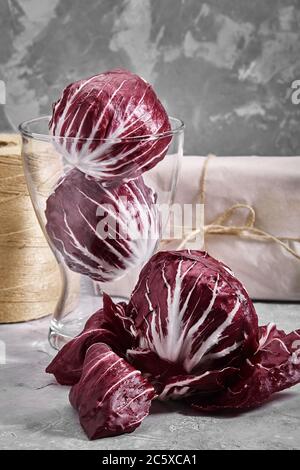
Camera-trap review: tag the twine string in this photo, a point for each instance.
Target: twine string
(29, 278)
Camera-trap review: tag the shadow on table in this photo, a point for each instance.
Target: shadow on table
(159, 407)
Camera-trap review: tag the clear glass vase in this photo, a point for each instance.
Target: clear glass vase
(45, 166)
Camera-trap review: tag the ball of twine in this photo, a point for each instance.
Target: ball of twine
(30, 281)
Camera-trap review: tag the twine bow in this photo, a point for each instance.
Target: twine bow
(221, 225)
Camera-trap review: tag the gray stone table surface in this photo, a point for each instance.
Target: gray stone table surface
(35, 412)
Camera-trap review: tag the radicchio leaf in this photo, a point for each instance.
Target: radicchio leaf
(171, 381)
(194, 318)
(114, 105)
(111, 397)
(274, 367)
(108, 325)
(102, 232)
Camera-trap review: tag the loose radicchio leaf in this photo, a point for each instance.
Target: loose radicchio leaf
(114, 318)
(195, 323)
(114, 105)
(111, 397)
(108, 325)
(102, 232)
(274, 367)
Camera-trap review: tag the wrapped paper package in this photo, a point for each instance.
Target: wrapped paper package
(251, 218)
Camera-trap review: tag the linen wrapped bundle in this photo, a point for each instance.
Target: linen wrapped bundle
(251, 218)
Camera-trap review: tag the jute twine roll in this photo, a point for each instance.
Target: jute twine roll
(30, 281)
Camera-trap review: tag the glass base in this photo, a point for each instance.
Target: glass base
(60, 332)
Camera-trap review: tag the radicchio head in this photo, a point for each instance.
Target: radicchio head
(102, 232)
(194, 319)
(112, 119)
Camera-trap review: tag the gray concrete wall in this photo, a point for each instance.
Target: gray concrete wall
(224, 66)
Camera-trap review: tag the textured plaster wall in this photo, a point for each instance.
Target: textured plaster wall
(224, 66)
